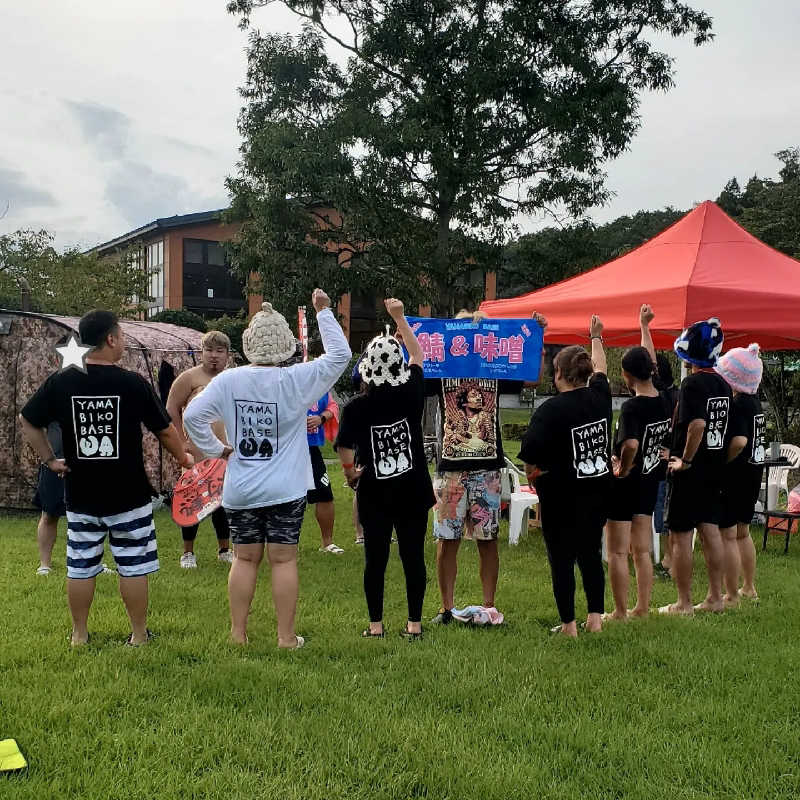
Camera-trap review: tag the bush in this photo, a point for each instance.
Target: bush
(233, 327)
(187, 319)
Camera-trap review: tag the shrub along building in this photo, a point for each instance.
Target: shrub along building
(187, 261)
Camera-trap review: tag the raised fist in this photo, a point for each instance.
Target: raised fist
(394, 307)
(646, 314)
(595, 327)
(320, 300)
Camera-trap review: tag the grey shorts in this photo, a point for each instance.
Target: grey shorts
(278, 524)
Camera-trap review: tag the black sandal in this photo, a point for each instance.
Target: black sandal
(368, 634)
(407, 634)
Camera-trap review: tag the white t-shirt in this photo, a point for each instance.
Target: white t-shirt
(264, 410)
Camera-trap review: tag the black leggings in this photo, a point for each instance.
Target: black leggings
(567, 544)
(220, 522)
(411, 530)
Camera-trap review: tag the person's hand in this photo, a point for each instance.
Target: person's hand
(313, 422)
(615, 466)
(226, 452)
(539, 319)
(646, 315)
(320, 300)
(394, 307)
(352, 475)
(677, 465)
(57, 465)
(188, 460)
(595, 327)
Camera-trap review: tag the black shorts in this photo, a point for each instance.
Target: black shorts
(278, 524)
(632, 496)
(740, 495)
(693, 498)
(49, 495)
(322, 492)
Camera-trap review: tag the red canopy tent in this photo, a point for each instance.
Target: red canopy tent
(705, 265)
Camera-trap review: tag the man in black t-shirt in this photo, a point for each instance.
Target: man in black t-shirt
(696, 466)
(101, 411)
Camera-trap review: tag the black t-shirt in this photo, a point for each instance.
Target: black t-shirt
(569, 438)
(469, 428)
(384, 426)
(747, 419)
(101, 413)
(648, 420)
(706, 396)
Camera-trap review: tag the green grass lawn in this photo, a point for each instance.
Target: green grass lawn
(662, 708)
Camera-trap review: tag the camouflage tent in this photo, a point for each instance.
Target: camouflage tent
(156, 350)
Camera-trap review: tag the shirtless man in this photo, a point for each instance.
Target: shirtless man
(214, 359)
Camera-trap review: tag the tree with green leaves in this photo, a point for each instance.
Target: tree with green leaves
(555, 253)
(67, 282)
(447, 119)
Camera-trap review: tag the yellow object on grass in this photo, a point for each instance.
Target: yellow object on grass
(10, 757)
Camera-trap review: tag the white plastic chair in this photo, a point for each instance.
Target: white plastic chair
(520, 503)
(779, 476)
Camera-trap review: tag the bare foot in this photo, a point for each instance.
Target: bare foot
(750, 594)
(78, 641)
(638, 612)
(707, 607)
(240, 639)
(677, 610)
(614, 616)
(730, 602)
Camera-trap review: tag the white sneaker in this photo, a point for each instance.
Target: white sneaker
(226, 556)
(188, 561)
(43, 571)
(332, 548)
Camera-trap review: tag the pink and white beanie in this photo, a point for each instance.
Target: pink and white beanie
(742, 368)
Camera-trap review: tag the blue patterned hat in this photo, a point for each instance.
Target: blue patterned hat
(701, 344)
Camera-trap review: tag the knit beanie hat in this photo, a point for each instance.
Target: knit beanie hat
(383, 362)
(742, 368)
(701, 344)
(268, 338)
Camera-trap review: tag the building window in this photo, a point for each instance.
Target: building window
(209, 288)
(155, 271)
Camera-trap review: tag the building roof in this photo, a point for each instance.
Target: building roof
(162, 224)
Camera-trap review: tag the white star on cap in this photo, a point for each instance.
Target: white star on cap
(73, 354)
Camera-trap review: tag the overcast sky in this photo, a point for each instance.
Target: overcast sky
(114, 113)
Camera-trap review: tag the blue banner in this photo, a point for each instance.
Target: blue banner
(504, 349)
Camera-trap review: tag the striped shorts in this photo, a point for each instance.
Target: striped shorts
(131, 534)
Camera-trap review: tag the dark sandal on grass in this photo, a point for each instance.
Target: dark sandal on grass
(407, 634)
(129, 640)
(368, 634)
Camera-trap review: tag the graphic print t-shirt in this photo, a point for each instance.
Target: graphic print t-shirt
(265, 411)
(385, 427)
(649, 421)
(101, 414)
(569, 438)
(706, 396)
(747, 419)
(469, 432)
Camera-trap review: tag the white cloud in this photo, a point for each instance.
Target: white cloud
(119, 113)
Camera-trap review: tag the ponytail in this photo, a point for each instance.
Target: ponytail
(574, 364)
